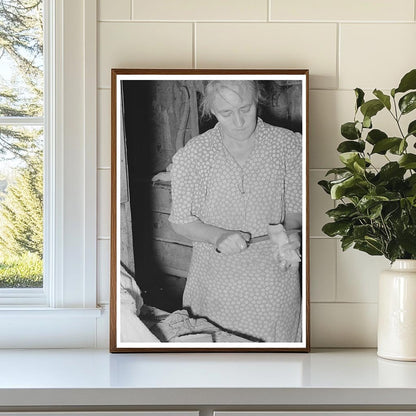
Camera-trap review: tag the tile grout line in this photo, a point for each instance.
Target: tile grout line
(269, 11)
(131, 10)
(336, 271)
(322, 237)
(254, 21)
(194, 62)
(343, 303)
(338, 64)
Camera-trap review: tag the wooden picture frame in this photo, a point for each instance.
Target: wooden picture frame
(231, 303)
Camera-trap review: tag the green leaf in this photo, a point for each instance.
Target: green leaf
(375, 211)
(383, 145)
(412, 202)
(368, 201)
(348, 158)
(350, 146)
(392, 196)
(340, 180)
(408, 161)
(408, 102)
(411, 184)
(385, 99)
(404, 203)
(342, 211)
(359, 95)
(338, 189)
(374, 136)
(346, 242)
(361, 231)
(368, 248)
(349, 131)
(413, 211)
(398, 149)
(325, 186)
(367, 122)
(359, 165)
(394, 251)
(411, 130)
(407, 240)
(391, 170)
(374, 242)
(408, 82)
(371, 108)
(354, 188)
(338, 171)
(333, 229)
(391, 212)
(411, 180)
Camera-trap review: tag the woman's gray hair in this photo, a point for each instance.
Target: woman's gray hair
(213, 87)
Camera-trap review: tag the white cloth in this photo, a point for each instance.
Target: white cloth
(132, 328)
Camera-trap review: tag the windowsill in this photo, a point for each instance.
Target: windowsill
(37, 311)
(42, 327)
(59, 378)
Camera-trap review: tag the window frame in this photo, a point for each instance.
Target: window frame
(32, 296)
(70, 171)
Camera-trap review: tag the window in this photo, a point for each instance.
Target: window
(63, 312)
(22, 128)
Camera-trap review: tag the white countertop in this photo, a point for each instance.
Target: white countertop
(96, 377)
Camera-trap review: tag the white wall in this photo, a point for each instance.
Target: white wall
(345, 44)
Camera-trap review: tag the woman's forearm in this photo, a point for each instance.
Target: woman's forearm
(199, 231)
(225, 241)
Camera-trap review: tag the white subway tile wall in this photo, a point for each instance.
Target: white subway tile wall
(142, 45)
(104, 202)
(357, 275)
(114, 10)
(201, 10)
(337, 325)
(345, 44)
(103, 270)
(328, 109)
(322, 269)
(375, 55)
(270, 45)
(342, 10)
(104, 128)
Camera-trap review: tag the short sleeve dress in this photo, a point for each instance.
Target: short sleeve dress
(246, 293)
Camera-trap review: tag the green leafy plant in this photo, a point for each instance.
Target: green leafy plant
(376, 212)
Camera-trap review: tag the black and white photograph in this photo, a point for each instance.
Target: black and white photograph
(209, 231)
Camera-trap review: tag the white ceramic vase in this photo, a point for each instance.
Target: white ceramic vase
(397, 312)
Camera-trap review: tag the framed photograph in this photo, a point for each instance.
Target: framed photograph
(209, 211)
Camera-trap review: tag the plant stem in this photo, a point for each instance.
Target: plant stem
(387, 231)
(397, 118)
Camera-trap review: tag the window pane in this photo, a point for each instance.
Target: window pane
(21, 58)
(21, 206)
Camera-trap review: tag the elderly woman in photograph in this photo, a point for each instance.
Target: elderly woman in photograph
(236, 194)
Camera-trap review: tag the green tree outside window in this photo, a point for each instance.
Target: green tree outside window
(21, 143)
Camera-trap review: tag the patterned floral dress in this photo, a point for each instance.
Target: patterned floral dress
(245, 293)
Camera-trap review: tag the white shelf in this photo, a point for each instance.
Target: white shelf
(40, 378)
